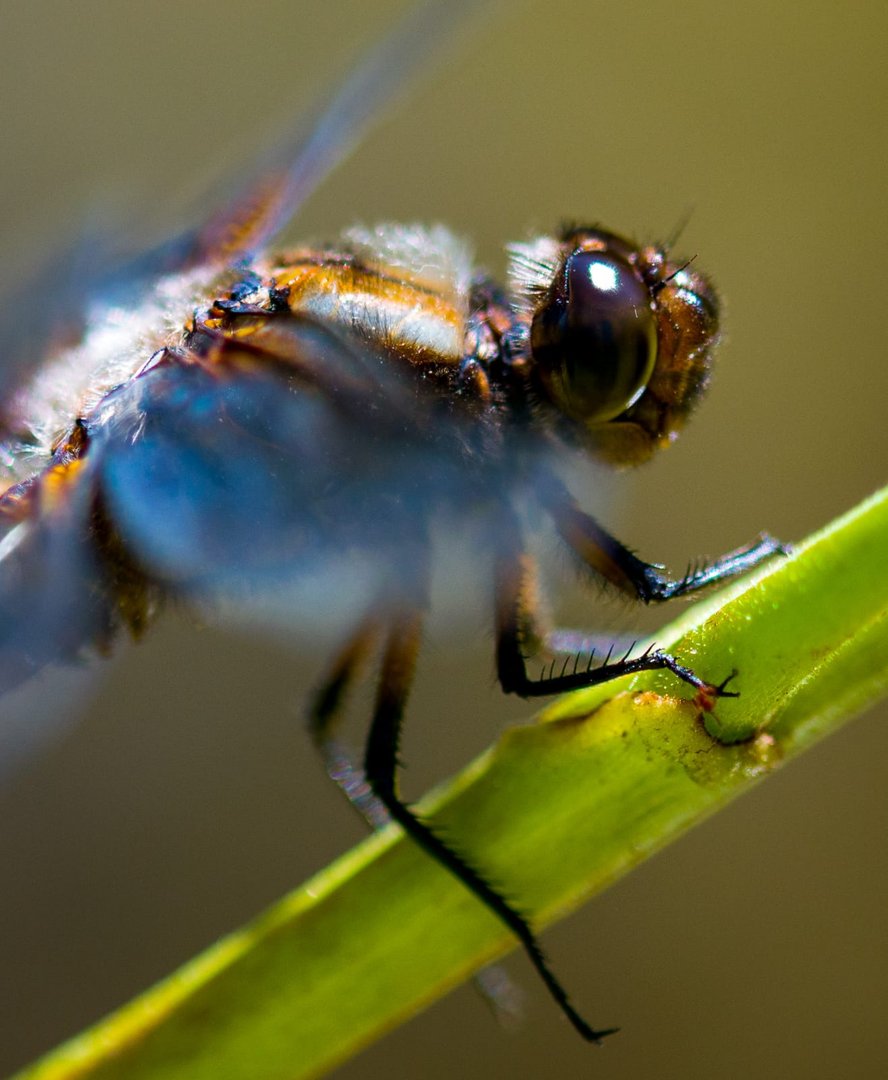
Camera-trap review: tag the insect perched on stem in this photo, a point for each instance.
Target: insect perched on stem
(254, 418)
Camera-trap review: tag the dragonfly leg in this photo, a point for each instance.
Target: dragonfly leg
(519, 633)
(381, 766)
(602, 553)
(344, 768)
(324, 716)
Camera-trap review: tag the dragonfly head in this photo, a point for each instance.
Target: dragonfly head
(619, 339)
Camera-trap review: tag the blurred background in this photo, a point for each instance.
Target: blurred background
(187, 798)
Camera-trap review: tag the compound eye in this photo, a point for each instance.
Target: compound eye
(595, 347)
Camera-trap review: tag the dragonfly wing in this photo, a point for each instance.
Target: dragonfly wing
(52, 605)
(249, 480)
(95, 268)
(28, 334)
(318, 142)
(32, 716)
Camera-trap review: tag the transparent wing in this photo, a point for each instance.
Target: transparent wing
(96, 268)
(37, 712)
(41, 314)
(50, 609)
(51, 602)
(302, 158)
(317, 482)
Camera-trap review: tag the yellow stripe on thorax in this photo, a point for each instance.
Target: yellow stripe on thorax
(401, 314)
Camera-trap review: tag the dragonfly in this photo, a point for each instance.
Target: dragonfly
(236, 421)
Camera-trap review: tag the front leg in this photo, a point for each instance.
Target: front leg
(519, 632)
(606, 556)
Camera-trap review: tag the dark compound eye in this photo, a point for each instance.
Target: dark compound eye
(595, 343)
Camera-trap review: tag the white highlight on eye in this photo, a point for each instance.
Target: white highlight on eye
(603, 276)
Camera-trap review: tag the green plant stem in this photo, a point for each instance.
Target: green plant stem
(554, 812)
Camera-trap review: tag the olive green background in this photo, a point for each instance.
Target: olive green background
(187, 797)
